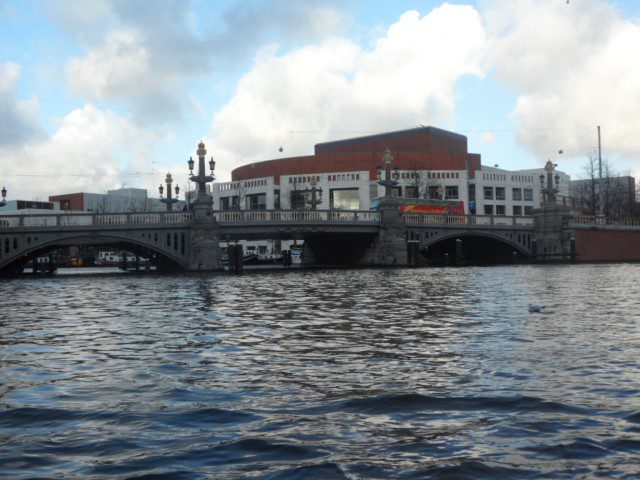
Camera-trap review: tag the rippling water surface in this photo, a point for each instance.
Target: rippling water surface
(429, 373)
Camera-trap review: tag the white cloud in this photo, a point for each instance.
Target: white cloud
(85, 154)
(146, 52)
(488, 138)
(576, 66)
(18, 118)
(119, 66)
(407, 77)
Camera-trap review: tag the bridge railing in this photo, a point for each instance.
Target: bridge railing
(261, 216)
(603, 222)
(488, 220)
(92, 219)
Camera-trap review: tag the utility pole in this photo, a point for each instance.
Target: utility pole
(600, 185)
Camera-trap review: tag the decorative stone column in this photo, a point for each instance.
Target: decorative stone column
(552, 237)
(205, 237)
(390, 247)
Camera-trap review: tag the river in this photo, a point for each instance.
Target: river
(332, 374)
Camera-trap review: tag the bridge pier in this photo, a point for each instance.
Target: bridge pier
(205, 252)
(389, 249)
(459, 253)
(552, 238)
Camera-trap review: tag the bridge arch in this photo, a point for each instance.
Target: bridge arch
(478, 246)
(168, 249)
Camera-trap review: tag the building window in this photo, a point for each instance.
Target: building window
(373, 191)
(396, 191)
(472, 191)
(298, 200)
(501, 210)
(488, 209)
(433, 191)
(528, 195)
(528, 210)
(517, 194)
(276, 199)
(451, 191)
(488, 193)
(229, 203)
(345, 198)
(500, 194)
(257, 201)
(517, 210)
(411, 192)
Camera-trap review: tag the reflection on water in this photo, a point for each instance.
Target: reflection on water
(431, 373)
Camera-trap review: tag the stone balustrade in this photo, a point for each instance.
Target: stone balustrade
(93, 219)
(471, 220)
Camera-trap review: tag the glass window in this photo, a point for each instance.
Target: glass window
(500, 194)
(501, 210)
(517, 193)
(488, 209)
(257, 201)
(488, 193)
(276, 199)
(528, 194)
(451, 191)
(528, 210)
(298, 200)
(411, 192)
(517, 210)
(373, 191)
(472, 191)
(345, 199)
(433, 192)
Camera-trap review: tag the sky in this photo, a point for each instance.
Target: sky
(100, 94)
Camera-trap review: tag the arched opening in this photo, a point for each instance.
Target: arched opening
(473, 250)
(160, 260)
(332, 249)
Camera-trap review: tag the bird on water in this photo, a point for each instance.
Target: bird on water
(535, 308)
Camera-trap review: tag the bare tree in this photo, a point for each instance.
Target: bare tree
(242, 197)
(618, 191)
(420, 181)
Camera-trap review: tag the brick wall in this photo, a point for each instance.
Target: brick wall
(70, 201)
(607, 245)
(360, 161)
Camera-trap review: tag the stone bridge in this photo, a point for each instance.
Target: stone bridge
(335, 237)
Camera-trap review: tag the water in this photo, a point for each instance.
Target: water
(430, 373)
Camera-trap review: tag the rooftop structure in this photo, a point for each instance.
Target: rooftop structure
(114, 201)
(429, 163)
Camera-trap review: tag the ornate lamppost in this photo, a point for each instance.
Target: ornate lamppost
(549, 190)
(204, 251)
(388, 182)
(314, 202)
(169, 201)
(203, 204)
(3, 202)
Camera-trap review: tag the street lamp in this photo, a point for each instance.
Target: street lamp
(550, 190)
(388, 183)
(203, 204)
(169, 201)
(314, 202)
(3, 202)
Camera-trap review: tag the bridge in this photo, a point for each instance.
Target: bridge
(332, 236)
(166, 238)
